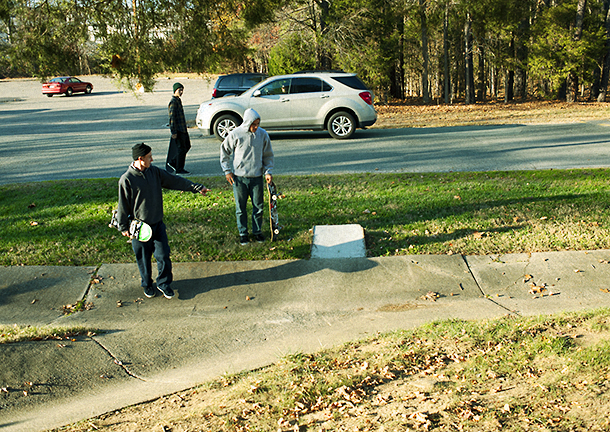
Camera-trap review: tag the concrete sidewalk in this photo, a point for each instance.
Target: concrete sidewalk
(234, 316)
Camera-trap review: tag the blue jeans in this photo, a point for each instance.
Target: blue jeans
(244, 188)
(159, 246)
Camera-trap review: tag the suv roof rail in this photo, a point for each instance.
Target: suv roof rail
(321, 71)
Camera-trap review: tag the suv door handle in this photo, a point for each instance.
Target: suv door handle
(285, 100)
(324, 97)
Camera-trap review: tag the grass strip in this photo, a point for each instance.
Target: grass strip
(17, 333)
(469, 213)
(508, 374)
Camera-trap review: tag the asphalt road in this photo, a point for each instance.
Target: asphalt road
(90, 136)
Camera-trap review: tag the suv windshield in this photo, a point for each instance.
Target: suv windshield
(351, 81)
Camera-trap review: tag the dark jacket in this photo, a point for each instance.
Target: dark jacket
(177, 121)
(141, 197)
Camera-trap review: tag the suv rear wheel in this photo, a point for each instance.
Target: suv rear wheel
(225, 124)
(341, 125)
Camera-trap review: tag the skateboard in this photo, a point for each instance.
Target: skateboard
(137, 229)
(273, 216)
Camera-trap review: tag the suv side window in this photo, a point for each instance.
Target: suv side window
(250, 81)
(277, 87)
(308, 85)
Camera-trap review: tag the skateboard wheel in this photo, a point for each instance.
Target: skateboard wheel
(276, 231)
(274, 197)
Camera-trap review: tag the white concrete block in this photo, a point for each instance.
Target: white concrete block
(338, 241)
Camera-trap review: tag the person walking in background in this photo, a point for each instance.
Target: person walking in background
(141, 198)
(179, 143)
(245, 156)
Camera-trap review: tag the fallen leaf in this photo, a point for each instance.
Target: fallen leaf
(430, 295)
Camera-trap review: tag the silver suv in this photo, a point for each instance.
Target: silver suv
(336, 101)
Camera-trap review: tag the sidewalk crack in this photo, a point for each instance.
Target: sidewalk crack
(487, 297)
(117, 361)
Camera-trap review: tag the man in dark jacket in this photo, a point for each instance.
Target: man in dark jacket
(141, 198)
(179, 143)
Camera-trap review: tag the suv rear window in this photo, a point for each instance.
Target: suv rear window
(229, 82)
(351, 81)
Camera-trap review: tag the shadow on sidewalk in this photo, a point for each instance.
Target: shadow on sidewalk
(189, 288)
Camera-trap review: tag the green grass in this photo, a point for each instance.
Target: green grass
(66, 222)
(17, 333)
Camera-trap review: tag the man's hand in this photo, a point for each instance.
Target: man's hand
(174, 136)
(125, 233)
(199, 188)
(230, 178)
(269, 178)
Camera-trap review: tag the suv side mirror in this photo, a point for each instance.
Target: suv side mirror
(256, 93)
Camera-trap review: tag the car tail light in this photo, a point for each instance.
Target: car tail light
(214, 93)
(367, 97)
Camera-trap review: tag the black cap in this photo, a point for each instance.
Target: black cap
(140, 150)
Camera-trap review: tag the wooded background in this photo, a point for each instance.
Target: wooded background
(437, 51)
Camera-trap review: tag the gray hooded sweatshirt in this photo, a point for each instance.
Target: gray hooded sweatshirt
(244, 153)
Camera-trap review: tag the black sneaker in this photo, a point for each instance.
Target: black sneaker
(260, 238)
(149, 292)
(243, 240)
(167, 291)
(183, 171)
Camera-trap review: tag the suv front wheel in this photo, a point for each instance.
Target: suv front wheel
(341, 125)
(225, 124)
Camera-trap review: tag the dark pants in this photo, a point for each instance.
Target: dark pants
(159, 246)
(244, 188)
(176, 153)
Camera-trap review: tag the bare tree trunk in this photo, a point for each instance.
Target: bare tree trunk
(401, 57)
(424, 48)
(482, 88)
(446, 55)
(572, 80)
(325, 61)
(509, 78)
(468, 66)
(603, 86)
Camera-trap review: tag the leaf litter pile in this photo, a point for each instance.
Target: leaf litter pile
(511, 374)
(398, 114)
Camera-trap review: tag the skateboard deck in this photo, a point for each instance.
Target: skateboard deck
(273, 215)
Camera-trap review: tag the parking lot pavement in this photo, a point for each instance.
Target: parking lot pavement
(93, 132)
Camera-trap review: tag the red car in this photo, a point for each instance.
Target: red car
(66, 85)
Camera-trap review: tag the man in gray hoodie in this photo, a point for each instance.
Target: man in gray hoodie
(245, 156)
